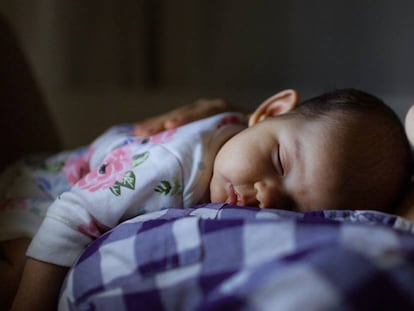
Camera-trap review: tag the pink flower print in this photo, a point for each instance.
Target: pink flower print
(111, 171)
(229, 120)
(76, 168)
(94, 229)
(163, 137)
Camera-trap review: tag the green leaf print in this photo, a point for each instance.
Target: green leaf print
(164, 187)
(140, 158)
(169, 188)
(128, 181)
(116, 189)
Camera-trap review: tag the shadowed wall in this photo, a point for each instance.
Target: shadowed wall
(104, 62)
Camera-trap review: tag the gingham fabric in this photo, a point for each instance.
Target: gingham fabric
(222, 257)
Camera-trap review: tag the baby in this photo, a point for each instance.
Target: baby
(343, 150)
(340, 150)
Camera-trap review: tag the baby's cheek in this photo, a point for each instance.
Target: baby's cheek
(216, 192)
(409, 125)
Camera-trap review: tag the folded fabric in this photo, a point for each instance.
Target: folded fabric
(222, 257)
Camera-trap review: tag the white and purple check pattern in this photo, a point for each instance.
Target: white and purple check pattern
(222, 257)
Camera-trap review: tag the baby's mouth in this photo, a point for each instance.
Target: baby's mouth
(234, 197)
(231, 195)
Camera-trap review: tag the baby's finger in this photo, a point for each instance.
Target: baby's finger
(177, 121)
(148, 128)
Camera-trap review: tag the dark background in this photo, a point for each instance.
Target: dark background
(106, 62)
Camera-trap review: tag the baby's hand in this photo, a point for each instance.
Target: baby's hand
(201, 108)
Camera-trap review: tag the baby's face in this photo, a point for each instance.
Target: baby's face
(283, 162)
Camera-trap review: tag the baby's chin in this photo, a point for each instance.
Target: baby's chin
(217, 196)
(214, 198)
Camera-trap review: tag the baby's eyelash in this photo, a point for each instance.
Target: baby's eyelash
(277, 162)
(279, 159)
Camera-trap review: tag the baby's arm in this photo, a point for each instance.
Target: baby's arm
(201, 108)
(39, 286)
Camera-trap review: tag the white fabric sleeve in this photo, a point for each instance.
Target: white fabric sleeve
(58, 244)
(94, 205)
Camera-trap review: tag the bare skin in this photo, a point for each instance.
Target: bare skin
(201, 108)
(46, 282)
(407, 208)
(12, 262)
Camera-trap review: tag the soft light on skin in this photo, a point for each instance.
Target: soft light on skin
(409, 125)
(282, 162)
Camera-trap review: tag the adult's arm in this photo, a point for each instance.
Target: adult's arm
(201, 108)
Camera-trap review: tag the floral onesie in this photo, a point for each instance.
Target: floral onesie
(117, 177)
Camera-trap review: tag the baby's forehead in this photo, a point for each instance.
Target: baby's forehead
(324, 125)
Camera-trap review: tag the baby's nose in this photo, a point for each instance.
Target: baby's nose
(271, 196)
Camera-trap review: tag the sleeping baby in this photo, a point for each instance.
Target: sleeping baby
(341, 150)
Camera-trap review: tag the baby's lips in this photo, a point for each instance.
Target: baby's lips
(231, 195)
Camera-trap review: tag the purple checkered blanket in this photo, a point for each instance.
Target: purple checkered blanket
(221, 257)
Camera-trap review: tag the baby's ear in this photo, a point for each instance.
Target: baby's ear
(409, 125)
(278, 104)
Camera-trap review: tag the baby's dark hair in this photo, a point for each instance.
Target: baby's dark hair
(376, 165)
